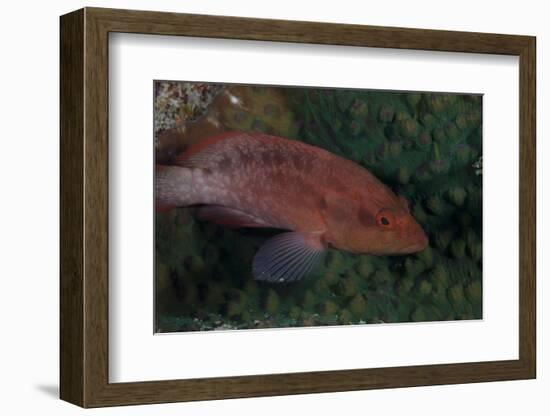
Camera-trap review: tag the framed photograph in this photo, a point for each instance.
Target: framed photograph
(255, 207)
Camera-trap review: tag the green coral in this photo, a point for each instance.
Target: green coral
(295, 312)
(457, 195)
(349, 286)
(309, 300)
(330, 308)
(162, 276)
(272, 302)
(426, 256)
(425, 146)
(358, 306)
(424, 287)
(443, 239)
(456, 295)
(386, 113)
(413, 267)
(346, 317)
(473, 292)
(441, 275)
(266, 111)
(458, 248)
(405, 285)
(435, 205)
(364, 266)
(403, 175)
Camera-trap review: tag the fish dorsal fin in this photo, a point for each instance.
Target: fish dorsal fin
(229, 217)
(288, 257)
(197, 154)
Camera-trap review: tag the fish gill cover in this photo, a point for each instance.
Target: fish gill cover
(425, 146)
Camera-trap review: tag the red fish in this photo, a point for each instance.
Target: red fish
(322, 200)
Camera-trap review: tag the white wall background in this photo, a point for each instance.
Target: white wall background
(29, 208)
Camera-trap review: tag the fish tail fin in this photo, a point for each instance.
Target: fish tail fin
(173, 187)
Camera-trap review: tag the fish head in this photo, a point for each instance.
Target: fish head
(384, 230)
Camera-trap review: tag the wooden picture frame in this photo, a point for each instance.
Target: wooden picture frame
(84, 207)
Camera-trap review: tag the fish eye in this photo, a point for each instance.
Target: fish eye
(385, 218)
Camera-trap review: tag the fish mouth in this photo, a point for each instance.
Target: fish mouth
(419, 244)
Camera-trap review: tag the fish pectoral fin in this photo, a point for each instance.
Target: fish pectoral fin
(288, 257)
(229, 217)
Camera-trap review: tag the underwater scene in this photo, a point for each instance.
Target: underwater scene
(282, 207)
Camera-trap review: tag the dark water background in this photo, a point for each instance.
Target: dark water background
(425, 146)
